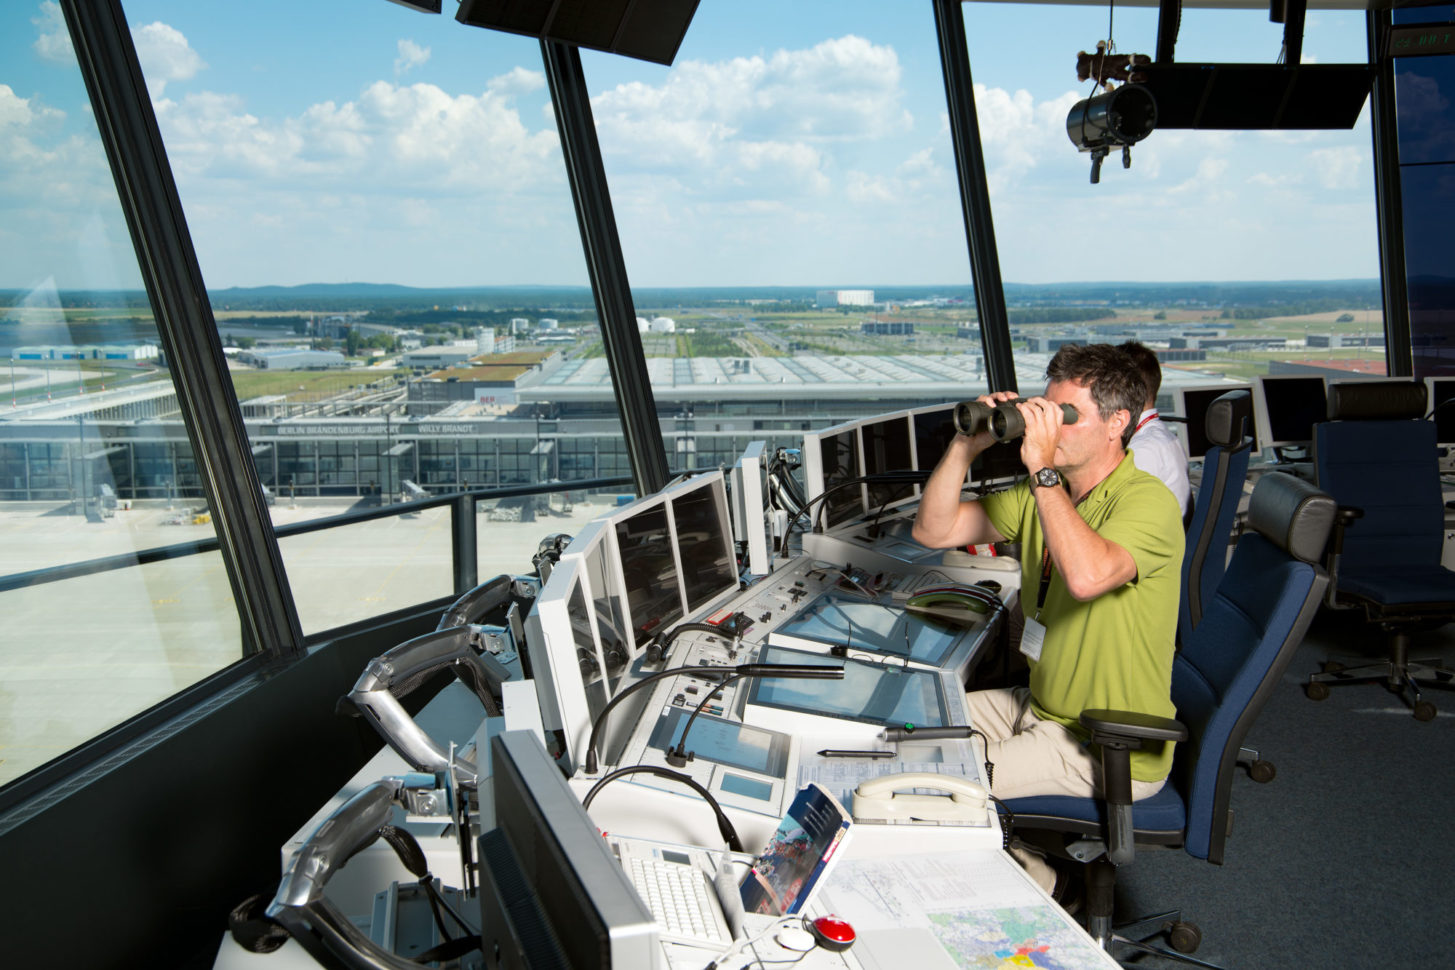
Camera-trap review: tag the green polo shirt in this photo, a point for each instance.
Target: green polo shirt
(1115, 651)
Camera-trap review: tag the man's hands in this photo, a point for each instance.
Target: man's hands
(1043, 429)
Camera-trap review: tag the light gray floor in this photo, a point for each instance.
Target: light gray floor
(1341, 860)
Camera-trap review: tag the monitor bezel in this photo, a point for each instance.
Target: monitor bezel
(1182, 428)
(1263, 417)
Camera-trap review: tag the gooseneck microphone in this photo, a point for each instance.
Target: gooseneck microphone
(678, 756)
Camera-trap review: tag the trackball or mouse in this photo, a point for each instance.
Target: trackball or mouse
(795, 938)
(832, 933)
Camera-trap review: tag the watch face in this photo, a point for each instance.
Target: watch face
(1048, 478)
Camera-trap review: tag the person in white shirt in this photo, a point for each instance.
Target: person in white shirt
(1155, 449)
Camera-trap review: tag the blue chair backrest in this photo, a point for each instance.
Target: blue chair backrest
(1224, 469)
(1377, 453)
(1255, 619)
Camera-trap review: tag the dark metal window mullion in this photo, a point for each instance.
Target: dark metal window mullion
(975, 196)
(185, 324)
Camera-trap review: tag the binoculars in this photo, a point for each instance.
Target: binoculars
(1003, 421)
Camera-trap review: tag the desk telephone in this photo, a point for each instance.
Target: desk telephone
(886, 799)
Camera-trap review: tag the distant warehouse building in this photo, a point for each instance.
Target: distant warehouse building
(828, 298)
(87, 352)
(887, 328)
(294, 359)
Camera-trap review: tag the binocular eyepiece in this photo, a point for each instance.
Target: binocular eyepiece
(1003, 420)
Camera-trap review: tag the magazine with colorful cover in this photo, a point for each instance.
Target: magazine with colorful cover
(801, 851)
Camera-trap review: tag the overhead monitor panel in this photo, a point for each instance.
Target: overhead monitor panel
(1287, 407)
(1192, 403)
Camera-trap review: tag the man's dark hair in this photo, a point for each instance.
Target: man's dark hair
(1147, 364)
(1114, 383)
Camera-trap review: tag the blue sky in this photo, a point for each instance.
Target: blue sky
(799, 143)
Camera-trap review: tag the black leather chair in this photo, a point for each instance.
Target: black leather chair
(1378, 457)
(1221, 679)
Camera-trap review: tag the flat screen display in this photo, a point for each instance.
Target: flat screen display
(886, 449)
(650, 572)
(840, 464)
(875, 628)
(1442, 391)
(889, 694)
(1195, 402)
(933, 432)
(724, 742)
(704, 547)
(586, 659)
(1295, 405)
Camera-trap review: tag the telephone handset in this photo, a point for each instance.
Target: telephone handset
(885, 799)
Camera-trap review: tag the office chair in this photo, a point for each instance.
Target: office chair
(1224, 469)
(1379, 459)
(1221, 679)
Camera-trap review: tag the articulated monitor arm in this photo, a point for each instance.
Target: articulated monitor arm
(400, 670)
(300, 906)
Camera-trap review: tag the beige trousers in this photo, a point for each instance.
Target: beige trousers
(1033, 756)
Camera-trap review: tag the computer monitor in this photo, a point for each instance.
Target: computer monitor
(552, 894)
(830, 459)
(1286, 407)
(567, 660)
(1191, 402)
(886, 445)
(934, 428)
(674, 552)
(749, 494)
(1442, 410)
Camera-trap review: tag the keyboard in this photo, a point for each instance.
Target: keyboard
(682, 900)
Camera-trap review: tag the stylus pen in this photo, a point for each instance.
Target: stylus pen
(837, 753)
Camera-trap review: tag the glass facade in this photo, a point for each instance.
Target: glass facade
(1423, 84)
(96, 630)
(1220, 224)
(380, 210)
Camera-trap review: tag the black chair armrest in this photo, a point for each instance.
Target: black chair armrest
(1117, 733)
(1131, 727)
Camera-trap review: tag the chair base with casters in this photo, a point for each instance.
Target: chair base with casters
(1378, 457)
(1100, 834)
(1400, 674)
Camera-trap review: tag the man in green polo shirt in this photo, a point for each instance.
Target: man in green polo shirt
(1101, 545)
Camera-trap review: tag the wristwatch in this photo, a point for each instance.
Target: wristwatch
(1046, 478)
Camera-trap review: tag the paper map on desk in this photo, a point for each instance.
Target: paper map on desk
(978, 907)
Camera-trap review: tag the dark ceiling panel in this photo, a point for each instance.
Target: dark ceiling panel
(650, 30)
(1258, 96)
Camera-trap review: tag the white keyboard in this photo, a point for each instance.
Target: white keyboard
(681, 899)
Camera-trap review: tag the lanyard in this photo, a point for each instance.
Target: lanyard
(1046, 557)
(1152, 416)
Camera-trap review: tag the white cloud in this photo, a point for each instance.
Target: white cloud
(390, 136)
(1338, 168)
(518, 81)
(165, 56)
(52, 41)
(785, 114)
(411, 55)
